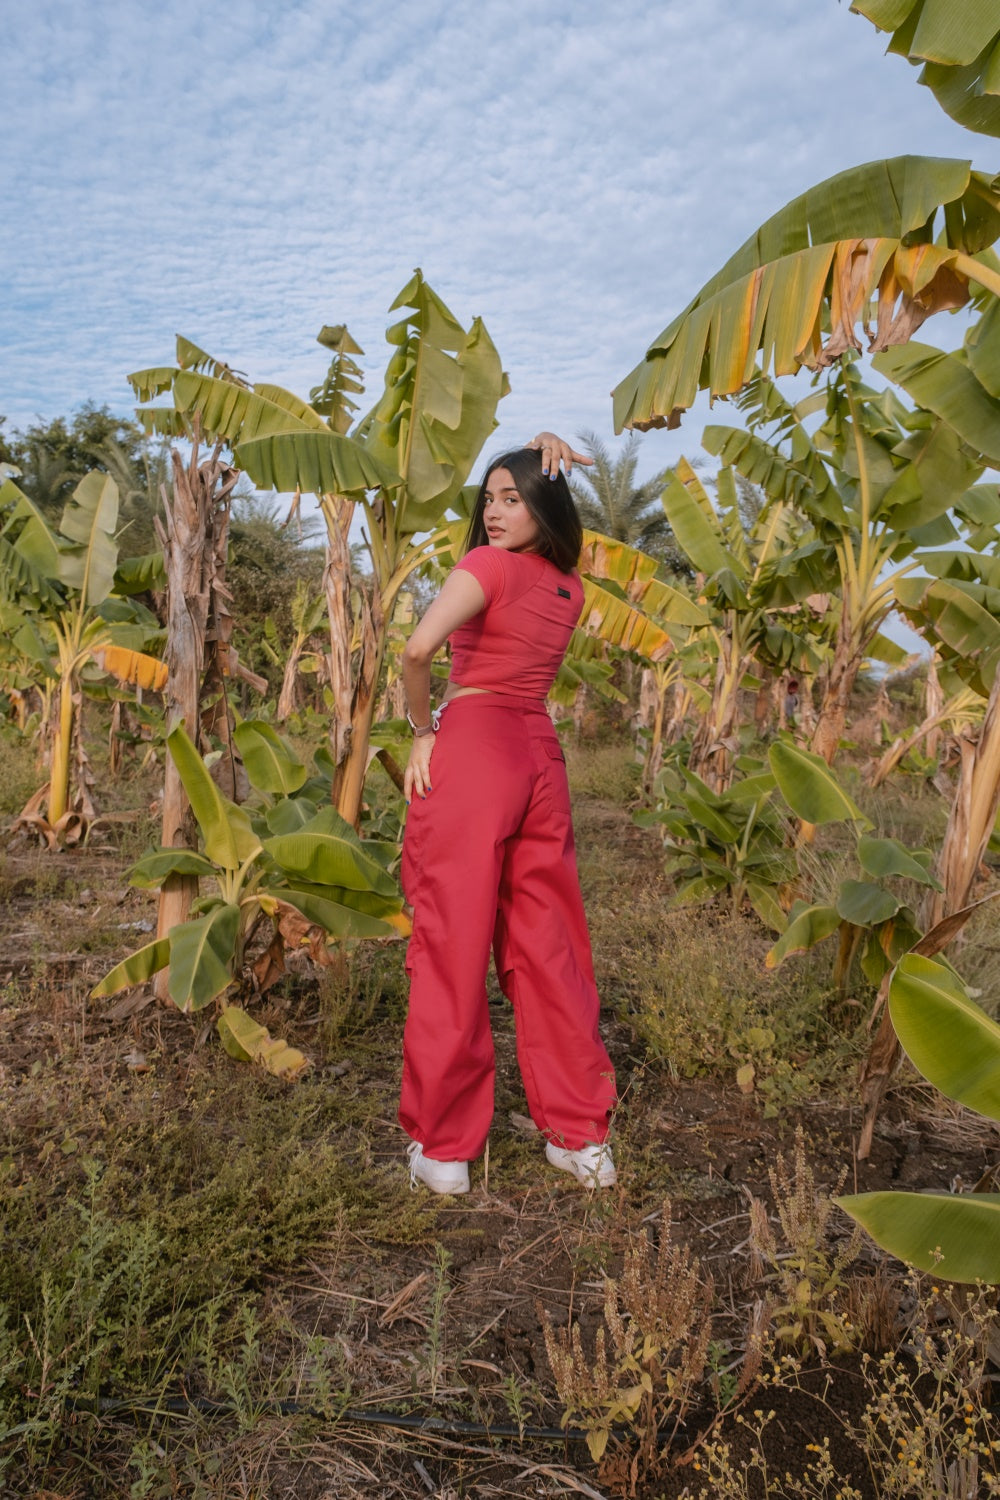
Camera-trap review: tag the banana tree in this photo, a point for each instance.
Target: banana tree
(874, 481)
(731, 843)
(288, 859)
(958, 43)
(403, 465)
(755, 587)
(60, 612)
(907, 234)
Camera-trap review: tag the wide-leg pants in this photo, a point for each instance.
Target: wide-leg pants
(489, 859)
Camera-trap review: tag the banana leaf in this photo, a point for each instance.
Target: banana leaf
(804, 930)
(271, 763)
(328, 852)
(438, 406)
(88, 563)
(248, 1041)
(810, 788)
(225, 828)
(954, 1237)
(946, 1035)
(814, 265)
(959, 45)
(136, 969)
(202, 955)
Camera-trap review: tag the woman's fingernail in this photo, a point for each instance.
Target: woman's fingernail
(545, 471)
(407, 801)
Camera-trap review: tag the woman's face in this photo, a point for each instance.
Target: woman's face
(508, 521)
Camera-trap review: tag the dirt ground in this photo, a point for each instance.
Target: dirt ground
(426, 1308)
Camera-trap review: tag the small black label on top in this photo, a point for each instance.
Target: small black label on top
(564, 593)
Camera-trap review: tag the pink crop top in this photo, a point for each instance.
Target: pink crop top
(516, 643)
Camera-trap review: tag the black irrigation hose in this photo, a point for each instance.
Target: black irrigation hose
(181, 1405)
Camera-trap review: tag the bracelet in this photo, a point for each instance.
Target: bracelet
(420, 730)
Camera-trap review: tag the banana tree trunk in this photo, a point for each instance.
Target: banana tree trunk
(679, 712)
(656, 684)
(713, 744)
(194, 516)
(62, 751)
(973, 813)
(805, 713)
(839, 685)
(288, 698)
(338, 514)
(349, 777)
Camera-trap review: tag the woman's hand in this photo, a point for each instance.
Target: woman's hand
(417, 776)
(555, 452)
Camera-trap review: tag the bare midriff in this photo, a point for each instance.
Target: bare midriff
(453, 690)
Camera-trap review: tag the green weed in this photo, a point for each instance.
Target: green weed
(19, 773)
(703, 1004)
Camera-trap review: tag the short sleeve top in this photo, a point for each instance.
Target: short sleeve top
(518, 640)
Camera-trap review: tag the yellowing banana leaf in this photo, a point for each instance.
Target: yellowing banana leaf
(605, 557)
(820, 261)
(248, 1041)
(133, 667)
(136, 969)
(317, 463)
(959, 44)
(613, 620)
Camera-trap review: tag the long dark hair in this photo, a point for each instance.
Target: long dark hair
(549, 502)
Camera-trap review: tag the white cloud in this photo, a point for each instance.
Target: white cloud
(571, 173)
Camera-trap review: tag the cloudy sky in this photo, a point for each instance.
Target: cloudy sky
(571, 172)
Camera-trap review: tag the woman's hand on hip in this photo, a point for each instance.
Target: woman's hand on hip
(555, 452)
(417, 776)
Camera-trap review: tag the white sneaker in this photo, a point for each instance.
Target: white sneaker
(594, 1166)
(439, 1176)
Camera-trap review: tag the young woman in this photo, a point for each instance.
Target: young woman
(488, 855)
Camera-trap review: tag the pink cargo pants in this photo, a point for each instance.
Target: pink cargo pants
(489, 858)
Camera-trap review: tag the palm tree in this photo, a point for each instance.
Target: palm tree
(610, 501)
